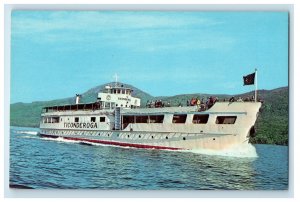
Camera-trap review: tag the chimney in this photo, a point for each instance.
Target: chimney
(77, 99)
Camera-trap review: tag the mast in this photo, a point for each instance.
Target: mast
(116, 77)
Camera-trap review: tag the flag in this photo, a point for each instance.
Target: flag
(249, 79)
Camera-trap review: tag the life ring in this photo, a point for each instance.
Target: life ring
(198, 102)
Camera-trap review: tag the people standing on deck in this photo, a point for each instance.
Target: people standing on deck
(232, 99)
(239, 99)
(193, 102)
(198, 102)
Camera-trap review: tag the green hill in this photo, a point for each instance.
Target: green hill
(271, 125)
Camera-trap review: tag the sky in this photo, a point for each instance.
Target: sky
(57, 54)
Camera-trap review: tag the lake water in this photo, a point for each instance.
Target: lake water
(41, 163)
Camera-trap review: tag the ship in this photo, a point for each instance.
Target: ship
(117, 118)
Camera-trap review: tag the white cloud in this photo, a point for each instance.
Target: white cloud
(39, 21)
(136, 31)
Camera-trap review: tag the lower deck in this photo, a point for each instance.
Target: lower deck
(155, 140)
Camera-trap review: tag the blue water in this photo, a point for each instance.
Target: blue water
(43, 163)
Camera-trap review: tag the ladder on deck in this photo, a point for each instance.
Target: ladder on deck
(118, 118)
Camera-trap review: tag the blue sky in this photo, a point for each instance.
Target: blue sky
(56, 54)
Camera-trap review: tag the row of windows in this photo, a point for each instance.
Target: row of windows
(181, 118)
(93, 119)
(119, 91)
(55, 119)
(51, 119)
(197, 119)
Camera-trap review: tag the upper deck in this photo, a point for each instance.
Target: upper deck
(113, 96)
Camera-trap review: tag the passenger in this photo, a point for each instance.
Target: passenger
(211, 102)
(232, 99)
(202, 101)
(239, 99)
(187, 103)
(252, 99)
(198, 103)
(202, 107)
(193, 102)
(152, 104)
(247, 99)
(207, 103)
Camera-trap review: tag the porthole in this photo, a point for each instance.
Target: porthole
(183, 138)
(139, 136)
(127, 135)
(167, 137)
(214, 138)
(118, 135)
(108, 135)
(99, 134)
(152, 137)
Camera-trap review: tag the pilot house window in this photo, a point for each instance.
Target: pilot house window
(225, 119)
(93, 119)
(179, 118)
(76, 119)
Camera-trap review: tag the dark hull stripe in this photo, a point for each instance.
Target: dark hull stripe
(122, 144)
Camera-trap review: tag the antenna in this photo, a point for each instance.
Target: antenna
(116, 78)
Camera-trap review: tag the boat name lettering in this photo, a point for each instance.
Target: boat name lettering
(126, 99)
(80, 125)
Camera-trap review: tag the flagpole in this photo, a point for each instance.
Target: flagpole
(256, 78)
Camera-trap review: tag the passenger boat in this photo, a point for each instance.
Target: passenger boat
(117, 118)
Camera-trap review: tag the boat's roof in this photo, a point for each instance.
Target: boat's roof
(91, 105)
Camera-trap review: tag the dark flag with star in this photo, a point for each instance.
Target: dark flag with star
(249, 79)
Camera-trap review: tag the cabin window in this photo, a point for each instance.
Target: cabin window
(55, 119)
(127, 120)
(118, 91)
(93, 119)
(225, 119)
(107, 104)
(200, 118)
(141, 119)
(156, 119)
(76, 119)
(102, 119)
(179, 118)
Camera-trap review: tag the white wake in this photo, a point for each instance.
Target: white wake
(245, 150)
(27, 132)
